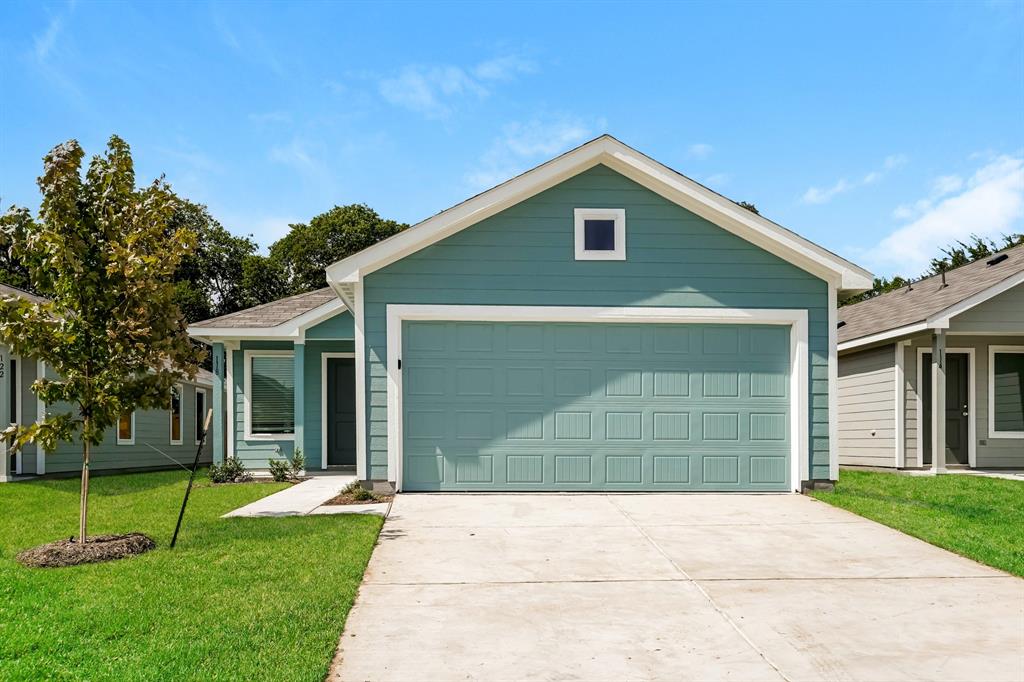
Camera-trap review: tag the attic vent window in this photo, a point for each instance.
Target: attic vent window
(600, 233)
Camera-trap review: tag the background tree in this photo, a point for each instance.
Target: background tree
(210, 280)
(305, 252)
(263, 281)
(102, 252)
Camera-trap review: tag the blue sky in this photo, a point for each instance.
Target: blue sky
(880, 130)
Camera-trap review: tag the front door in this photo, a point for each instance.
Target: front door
(957, 415)
(341, 412)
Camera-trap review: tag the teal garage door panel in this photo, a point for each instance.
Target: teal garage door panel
(522, 406)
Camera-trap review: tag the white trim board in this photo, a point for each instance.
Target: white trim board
(992, 433)
(799, 356)
(199, 418)
(16, 359)
(972, 403)
(642, 169)
(323, 407)
(40, 416)
(900, 360)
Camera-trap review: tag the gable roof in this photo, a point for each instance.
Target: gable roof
(927, 303)
(608, 151)
(286, 318)
(273, 313)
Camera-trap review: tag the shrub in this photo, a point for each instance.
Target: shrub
(282, 470)
(231, 471)
(358, 492)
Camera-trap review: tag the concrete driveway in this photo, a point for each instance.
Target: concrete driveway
(670, 587)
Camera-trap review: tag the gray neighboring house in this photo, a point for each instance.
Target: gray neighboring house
(950, 346)
(126, 446)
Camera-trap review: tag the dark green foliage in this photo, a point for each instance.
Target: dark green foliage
(263, 281)
(306, 251)
(281, 470)
(231, 471)
(749, 206)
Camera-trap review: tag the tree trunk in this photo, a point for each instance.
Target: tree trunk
(83, 506)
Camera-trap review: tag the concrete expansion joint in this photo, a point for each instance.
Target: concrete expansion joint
(725, 616)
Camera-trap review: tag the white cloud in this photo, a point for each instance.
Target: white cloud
(298, 155)
(946, 184)
(990, 204)
(818, 195)
(699, 151)
(520, 145)
(435, 90)
(43, 44)
(823, 195)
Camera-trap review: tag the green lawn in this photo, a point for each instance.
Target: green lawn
(241, 599)
(979, 518)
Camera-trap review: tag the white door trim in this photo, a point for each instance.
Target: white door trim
(972, 403)
(799, 355)
(323, 408)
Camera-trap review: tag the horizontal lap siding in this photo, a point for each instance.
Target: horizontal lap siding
(313, 414)
(152, 428)
(525, 256)
(1003, 313)
(867, 408)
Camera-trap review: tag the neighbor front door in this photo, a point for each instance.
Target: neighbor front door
(341, 412)
(957, 414)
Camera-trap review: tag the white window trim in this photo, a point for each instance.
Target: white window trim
(16, 359)
(125, 441)
(323, 407)
(992, 433)
(200, 418)
(795, 319)
(972, 405)
(40, 416)
(581, 215)
(247, 392)
(170, 418)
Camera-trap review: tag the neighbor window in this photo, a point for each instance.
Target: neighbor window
(200, 412)
(126, 429)
(270, 387)
(1006, 392)
(176, 393)
(600, 233)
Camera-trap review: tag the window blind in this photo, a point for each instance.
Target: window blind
(272, 384)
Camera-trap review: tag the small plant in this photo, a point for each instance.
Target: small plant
(358, 492)
(231, 471)
(283, 471)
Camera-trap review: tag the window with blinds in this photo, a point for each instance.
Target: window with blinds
(272, 395)
(1007, 380)
(175, 415)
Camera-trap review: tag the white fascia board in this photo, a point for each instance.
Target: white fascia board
(642, 169)
(292, 329)
(941, 319)
(884, 336)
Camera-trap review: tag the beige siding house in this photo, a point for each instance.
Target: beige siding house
(932, 375)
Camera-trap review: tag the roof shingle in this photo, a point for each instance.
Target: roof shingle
(272, 314)
(925, 298)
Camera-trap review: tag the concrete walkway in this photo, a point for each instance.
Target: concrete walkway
(301, 498)
(670, 587)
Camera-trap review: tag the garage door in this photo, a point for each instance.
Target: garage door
(521, 406)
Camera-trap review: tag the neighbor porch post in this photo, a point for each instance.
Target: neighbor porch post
(5, 410)
(299, 368)
(939, 401)
(218, 404)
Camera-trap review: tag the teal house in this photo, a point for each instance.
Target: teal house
(600, 322)
(142, 440)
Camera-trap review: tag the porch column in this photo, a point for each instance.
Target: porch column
(939, 401)
(300, 394)
(5, 410)
(218, 404)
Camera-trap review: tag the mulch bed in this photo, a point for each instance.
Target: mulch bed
(98, 548)
(347, 498)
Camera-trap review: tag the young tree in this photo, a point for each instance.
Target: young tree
(101, 251)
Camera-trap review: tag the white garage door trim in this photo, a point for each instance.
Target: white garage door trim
(795, 319)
